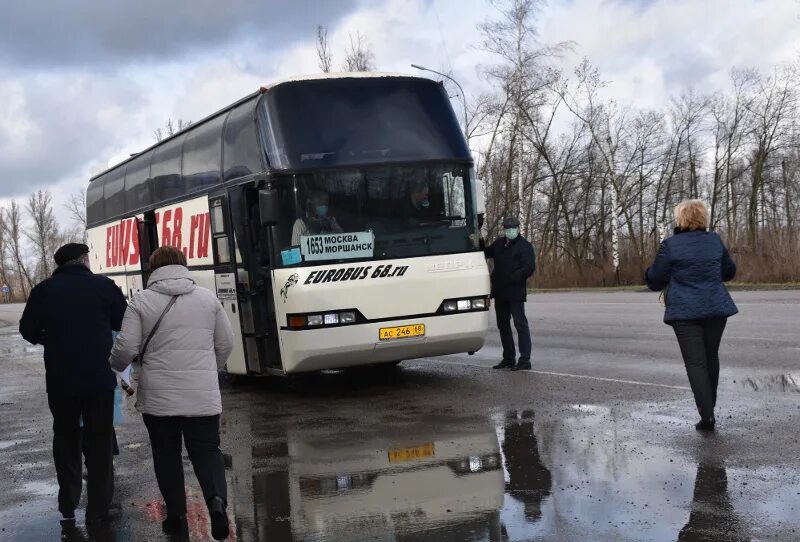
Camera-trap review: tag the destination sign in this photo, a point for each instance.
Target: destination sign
(337, 246)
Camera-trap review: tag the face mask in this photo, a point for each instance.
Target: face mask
(322, 211)
(511, 233)
(425, 204)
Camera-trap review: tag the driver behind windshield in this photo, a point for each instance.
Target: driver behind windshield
(418, 203)
(317, 219)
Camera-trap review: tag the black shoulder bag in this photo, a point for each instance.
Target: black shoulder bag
(140, 357)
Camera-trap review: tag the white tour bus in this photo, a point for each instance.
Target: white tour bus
(336, 217)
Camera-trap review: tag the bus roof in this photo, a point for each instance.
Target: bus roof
(262, 90)
(342, 75)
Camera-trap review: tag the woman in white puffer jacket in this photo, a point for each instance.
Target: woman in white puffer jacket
(178, 392)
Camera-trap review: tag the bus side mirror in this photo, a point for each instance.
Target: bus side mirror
(480, 198)
(268, 206)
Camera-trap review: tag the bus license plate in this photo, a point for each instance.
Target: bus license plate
(401, 332)
(410, 454)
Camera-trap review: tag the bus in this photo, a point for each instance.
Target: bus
(335, 216)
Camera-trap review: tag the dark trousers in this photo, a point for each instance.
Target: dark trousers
(505, 310)
(699, 341)
(97, 411)
(85, 444)
(201, 436)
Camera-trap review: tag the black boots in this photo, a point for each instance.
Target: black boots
(523, 365)
(705, 424)
(175, 525)
(219, 519)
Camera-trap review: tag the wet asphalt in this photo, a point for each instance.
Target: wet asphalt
(596, 443)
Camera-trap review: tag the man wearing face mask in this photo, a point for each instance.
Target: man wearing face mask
(418, 203)
(317, 219)
(514, 263)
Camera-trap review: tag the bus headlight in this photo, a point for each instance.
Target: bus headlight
(479, 303)
(314, 320)
(328, 319)
(475, 464)
(465, 304)
(331, 318)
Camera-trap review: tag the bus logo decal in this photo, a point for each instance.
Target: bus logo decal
(450, 265)
(291, 281)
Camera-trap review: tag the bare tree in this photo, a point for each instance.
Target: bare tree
(324, 55)
(775, 117)
(359, 57)
(4, 270)
(76, 206)
(43, 232)
(14, 233)
(522, 76)
(607, 125)
(594, 182)
(732, 125)
(171, 128)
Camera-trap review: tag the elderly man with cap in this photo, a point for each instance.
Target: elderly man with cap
(514, 263)
(72, 314)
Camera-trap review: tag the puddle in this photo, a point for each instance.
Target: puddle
(788, 383)
(40, 488)
(17, 350)
(4, 444)
(507, 477)
(27, 467)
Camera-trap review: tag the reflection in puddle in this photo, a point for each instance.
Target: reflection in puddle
(529, 480)
(712, 510)
(378, 485)
(582, 476)
(783, 383)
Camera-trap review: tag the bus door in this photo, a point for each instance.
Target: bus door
(256, 292)
(147, 234)
(224, 252)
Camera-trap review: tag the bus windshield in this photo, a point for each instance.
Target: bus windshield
(352, 121)
(405, 211)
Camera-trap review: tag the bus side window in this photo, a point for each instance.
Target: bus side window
(202, 155)
(166, 170)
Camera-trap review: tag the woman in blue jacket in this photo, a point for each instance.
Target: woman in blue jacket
(690, 268)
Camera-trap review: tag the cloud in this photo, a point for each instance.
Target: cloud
(82, 81)
(52, 126)
(652, 49)
(55, 33)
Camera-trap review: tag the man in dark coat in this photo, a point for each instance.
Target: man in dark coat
(417, 206)
(514, 263)
(72, 314)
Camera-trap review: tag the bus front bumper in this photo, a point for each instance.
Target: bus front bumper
(348, 346)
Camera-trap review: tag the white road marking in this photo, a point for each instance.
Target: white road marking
(588, 302)
(569, 375)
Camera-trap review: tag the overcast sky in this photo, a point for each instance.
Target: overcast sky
(87, 80)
